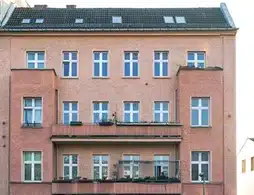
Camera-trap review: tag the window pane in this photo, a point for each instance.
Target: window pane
(30, 65)
(205, 117)
(37, 172)
(157, 106)
(74, 159)
(191, 64)
(74, 56)
(96, 69)
(96, 118)
(204, 156)
(165, 69)
(38, 117)
(66, 159)
(66, 106)
(104, 69)
(28, 116)
(28, 102)
(135, 171)
(126, 106)
(74, 106)
(104, 116)
(165, 117)
(165, 55)
(157, 117)
(38, 102)
(191, 56)
(104, 56)
(194, 102)
(127, 117)
(135, 55)
(96, 172)
(40, 55)
(74, 71)
(157, 55)
(31, 56)
(126, 69)
(96, 106)
(204, 168)
(156, 69)
(74, 117)
(40, 65)
(135, 117)
(205, 102)
(104, 106)
(27, 156)
(104, 172)
(66, 55)
(194, 117)
(127, 56)
(96, 55)
(201, 56)
(96, 159)
(201, 65)
(194, 172)
(194, 156)
(104, 159)
(37, 156)
(66, 171)
(28, 172)
(126, 170)
(66, 68)
(135, 69)
(165, 106)
(74, 172)
(66, 118)
(135, 106)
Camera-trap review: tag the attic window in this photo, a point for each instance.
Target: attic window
(39, 21)
(180, 19)
(116, 19)
(169, 19)
(79, 20)
(25, 21)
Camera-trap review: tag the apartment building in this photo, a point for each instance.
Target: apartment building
(118, 101)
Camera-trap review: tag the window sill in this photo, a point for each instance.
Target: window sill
(200, 182)
(201, 127)
(163, 77)
(69, 77)
(100, 78)
(32, 127)
(124, 77)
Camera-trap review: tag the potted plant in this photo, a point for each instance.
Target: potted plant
(76, 123)
(106, 122)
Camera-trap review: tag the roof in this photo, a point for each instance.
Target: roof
(133, 19)
(251, 139)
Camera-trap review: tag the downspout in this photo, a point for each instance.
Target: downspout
(223, 120)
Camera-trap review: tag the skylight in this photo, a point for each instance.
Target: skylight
(116, 19)
(39, 21)
(79, 20)
(26, 21)
(180, 19)
(169, 19)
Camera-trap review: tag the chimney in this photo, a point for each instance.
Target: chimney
(41, 6)
(71, 6)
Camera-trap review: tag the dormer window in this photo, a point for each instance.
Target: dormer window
(180, 19)
(169, 19)
(116, 19)
(26, 21)
(79, 20)
(39, 21)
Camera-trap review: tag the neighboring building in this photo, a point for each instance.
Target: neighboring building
(164, 76)
(245, 176)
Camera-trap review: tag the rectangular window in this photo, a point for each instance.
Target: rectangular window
(161, 112)
(131, 68)
(200, 163)
(70, 64)
(161, 165)
(100, 112)
(70, 166)
(160, 64)
(32, 166)
(131, 111)
(35, 60)
(200, 112)
(70, 112)
(131, 166)
(100, 166)
(32, 111)
(252, 164)
(196, 59)
(100, 64)
(243, 166)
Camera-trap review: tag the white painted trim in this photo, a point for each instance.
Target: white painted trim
(100, 111)
(161, 61)
(71, 165)
(70, 111)
(161, 111)
(36, 61)
(70, 61)
(131, 111)
(100, 165)
(131, 61)
(100, 61)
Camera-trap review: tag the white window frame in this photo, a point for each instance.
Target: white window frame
(35, 61)
(131, 61)
(162, 164)
(100, 61)
(200, 163)
(39, 20)
(168, 19)
(26, 21)
(70, 111)
(161, 111)
(79, 21)
(70, 165)
(101, 165)
(32, 162)
(131, 111)
(200, 108)
(180, 19)
(116, 19)
(196, 61)
(160, 61)
(131, 165)
(33, 108)
(70, 61)
(100, 111)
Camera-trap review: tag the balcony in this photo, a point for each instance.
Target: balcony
(119, 132)
(129, 177)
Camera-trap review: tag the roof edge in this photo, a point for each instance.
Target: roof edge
(227, 15)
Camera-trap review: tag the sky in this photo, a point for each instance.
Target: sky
(242, 13)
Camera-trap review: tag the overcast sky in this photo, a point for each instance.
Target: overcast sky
(242, 12)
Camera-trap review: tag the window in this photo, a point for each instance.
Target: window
(161, 165)
(32, 111)
(169, 19)
(35, 59)
(131, 111)
(70, 64)
(26, 21)
(200, 164)
(32, 166)
(200, 112)
(161, 112)
(100, 64)
(70, 166)
(161, 64)
(79, 20)
(243, 166)
(131, 64)
(252, 164)
(196, 59)
(70, 112)
(116, 19)
(39, 21)
(180, 20)
(100, 166)
(100, 111)
(131, 166)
